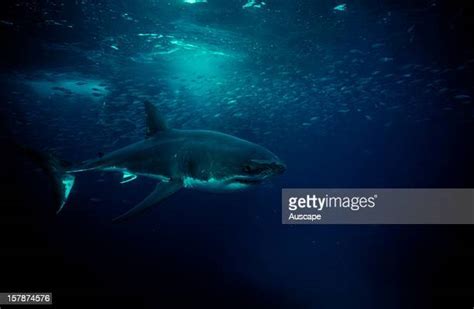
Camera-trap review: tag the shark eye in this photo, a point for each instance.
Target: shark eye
(247, 168)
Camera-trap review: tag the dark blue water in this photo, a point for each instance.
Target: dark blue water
(376, 95)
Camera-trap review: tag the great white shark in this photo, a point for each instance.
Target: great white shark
(176, 159)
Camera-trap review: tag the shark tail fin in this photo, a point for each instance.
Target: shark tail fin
(55, 169)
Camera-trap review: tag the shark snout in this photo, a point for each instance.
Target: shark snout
(279, 167)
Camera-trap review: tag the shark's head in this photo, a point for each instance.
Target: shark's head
(230, 163)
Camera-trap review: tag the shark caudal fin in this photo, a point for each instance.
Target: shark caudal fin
(55, 170)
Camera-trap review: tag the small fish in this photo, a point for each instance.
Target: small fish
(340, 7)
(462, 97)
(386, 59)
(377, 45)
(5, 22)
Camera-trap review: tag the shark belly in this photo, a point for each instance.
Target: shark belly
(212, 185)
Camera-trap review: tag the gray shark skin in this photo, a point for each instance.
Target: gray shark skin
(196, 159)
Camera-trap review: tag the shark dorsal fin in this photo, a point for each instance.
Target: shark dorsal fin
(154, 122)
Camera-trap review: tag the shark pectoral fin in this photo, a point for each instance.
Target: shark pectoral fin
(127, 177)
(162, 191)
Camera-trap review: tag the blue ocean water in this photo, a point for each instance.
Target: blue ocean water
(347, 94)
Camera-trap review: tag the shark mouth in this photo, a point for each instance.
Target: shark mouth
(261, 171)
(250, 180)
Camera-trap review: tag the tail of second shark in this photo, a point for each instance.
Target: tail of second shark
(55, 169)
